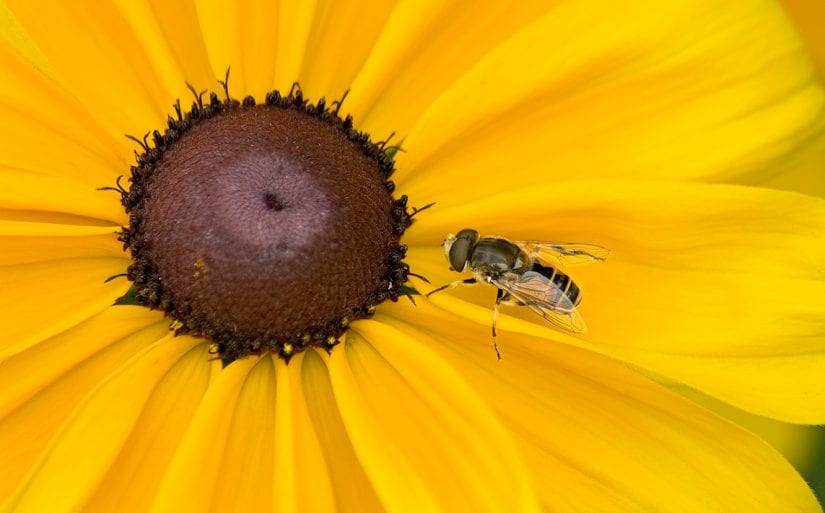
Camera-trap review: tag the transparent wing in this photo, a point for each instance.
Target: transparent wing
(545, 298)
(563, 253)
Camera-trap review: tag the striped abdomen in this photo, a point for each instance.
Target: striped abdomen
(569, 289)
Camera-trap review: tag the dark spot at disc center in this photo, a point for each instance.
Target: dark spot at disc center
(272, 203)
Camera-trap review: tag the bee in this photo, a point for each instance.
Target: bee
(525, 273)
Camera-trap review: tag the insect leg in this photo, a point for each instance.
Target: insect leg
(499, 296)
(468, 281)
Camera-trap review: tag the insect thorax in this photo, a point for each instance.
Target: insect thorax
(495, 256)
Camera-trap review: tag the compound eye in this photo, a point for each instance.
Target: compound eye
(462, 248)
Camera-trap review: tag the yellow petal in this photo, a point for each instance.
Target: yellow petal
(77, 459)
(294, 24)
(173, 42)
(424, 48)
(219, 26)
(36, 109)
(32, 192)
(271, 448)
(15, 41)
(247, 473)
(807, 15)
(686, 90)
(341, 37)
(39, 366)
(807, 169)
(126, 95)
(263, 42)
(37, 106)
(298, 450)
(42, 385)
(210, 428)
(799, 444)
(720, 287)
(133, 478)
(805, 174)
(42, 299)
(415, 425)
(26, 242)
(350, 487)
(274, 44)
(599, 437)
(259, 24)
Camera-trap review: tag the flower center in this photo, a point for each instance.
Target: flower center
(264, 227)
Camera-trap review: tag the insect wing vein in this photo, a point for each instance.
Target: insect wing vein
(546, 300)
(565, 253)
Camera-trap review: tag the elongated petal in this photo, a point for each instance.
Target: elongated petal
(41, 386)
(425, 47)
(341, 38)
(250, 444)
(807, 170)
(721, 287)
(322, 44)
(133, 91)
(683, 90)
(172, 39)
(78, 458)
(33, 370)
(415, 424)
(265, 415)
(27, 242)
(351, 488)
(603, 438)
(32, 192)
(132, 479)
(46, 129)
(210, 428)
(42, 299)
(807, 15)
(244, 35)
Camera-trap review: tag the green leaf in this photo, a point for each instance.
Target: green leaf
(130, 298)
(406, 290)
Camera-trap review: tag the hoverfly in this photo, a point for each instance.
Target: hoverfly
(526, 273)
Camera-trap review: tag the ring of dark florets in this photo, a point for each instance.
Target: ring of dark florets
(147, 289)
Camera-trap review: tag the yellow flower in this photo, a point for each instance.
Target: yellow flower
(620, 124)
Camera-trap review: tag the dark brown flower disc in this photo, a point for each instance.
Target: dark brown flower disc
(264, 227)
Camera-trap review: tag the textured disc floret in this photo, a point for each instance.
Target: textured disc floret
(264, 227)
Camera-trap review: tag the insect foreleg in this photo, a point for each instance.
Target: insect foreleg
(468, 281)
(500, 296)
